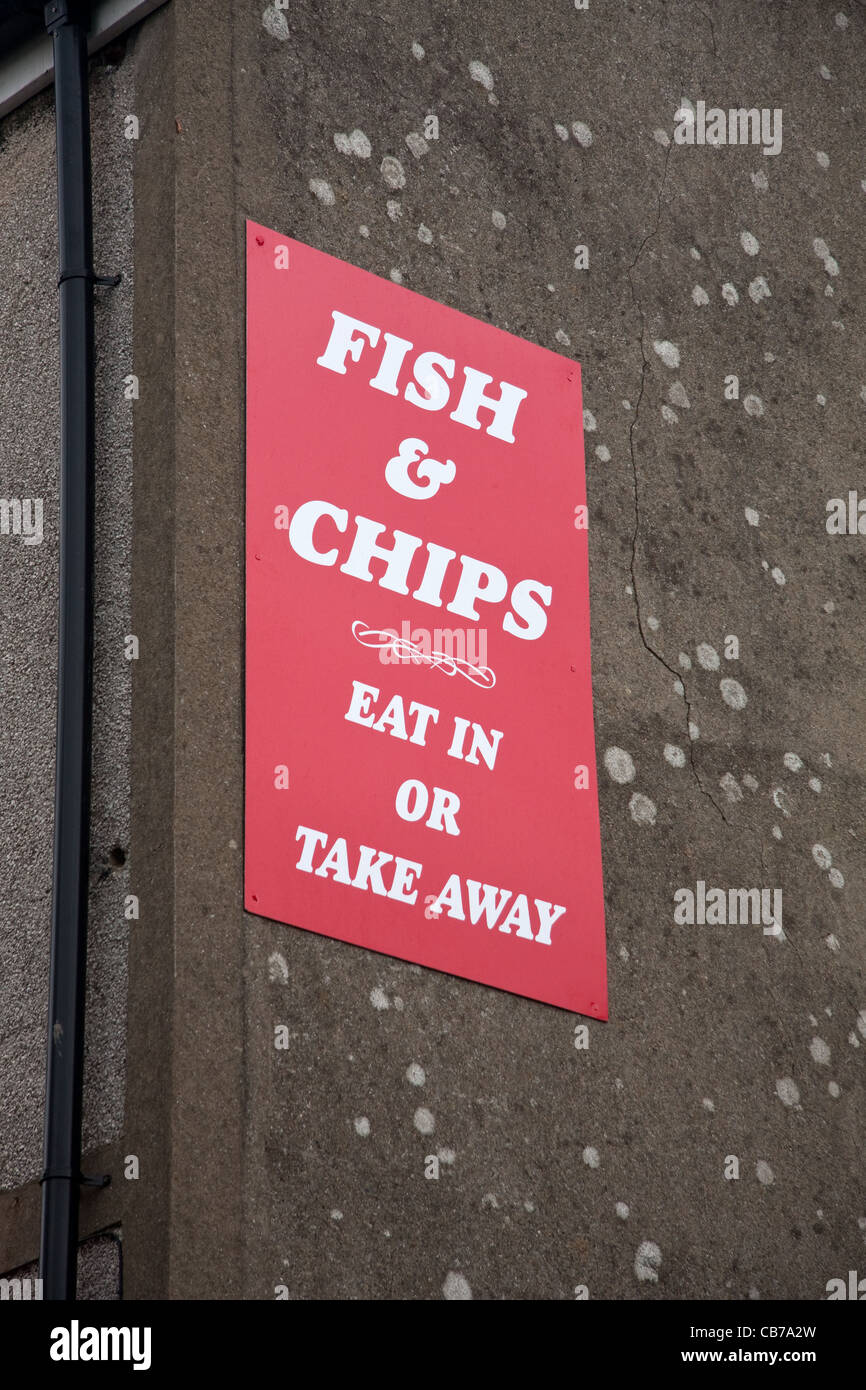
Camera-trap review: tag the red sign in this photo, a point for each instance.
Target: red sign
(420, 761)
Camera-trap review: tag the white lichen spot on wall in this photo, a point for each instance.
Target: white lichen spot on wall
(782, 802)
(392, 172)
(278, 970)
(647, 1262)
(733, 693)
(417, 144)
(668, 352)
(619, 764)
(822, 251)
(323, 191)
(355, 144)
(759, 289)
(479, 72)
(820, 1052)
(456, 1287)
(788, 1091)
(643, 811)
(274, 23)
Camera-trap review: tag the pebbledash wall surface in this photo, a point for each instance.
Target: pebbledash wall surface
(728, 660)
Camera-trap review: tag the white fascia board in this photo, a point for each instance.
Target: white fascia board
(31, 67)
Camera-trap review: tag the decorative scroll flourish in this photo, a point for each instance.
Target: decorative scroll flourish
(382, 639)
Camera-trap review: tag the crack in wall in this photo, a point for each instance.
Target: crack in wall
(709, 18)
(633, 565)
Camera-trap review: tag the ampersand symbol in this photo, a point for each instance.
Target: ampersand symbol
(398, 470)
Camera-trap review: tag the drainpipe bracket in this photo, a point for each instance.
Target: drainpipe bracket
(110, 280)
(51, 1174)
(103, 1180)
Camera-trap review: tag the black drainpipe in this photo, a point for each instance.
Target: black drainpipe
(60, 1181)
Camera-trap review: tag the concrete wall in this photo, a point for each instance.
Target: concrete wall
(561, 1167)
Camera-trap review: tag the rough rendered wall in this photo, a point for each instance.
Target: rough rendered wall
(29, 468)
(605, 1167)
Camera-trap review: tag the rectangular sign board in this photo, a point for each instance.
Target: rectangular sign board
(420, 759)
